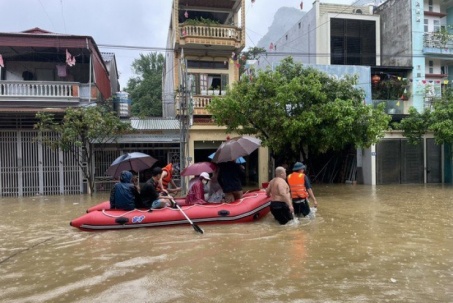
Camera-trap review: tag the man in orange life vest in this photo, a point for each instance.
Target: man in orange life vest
(300, 187)
(167, 178)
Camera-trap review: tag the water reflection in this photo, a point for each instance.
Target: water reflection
(366, 244)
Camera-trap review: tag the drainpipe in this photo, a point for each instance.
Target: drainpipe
(90, 73)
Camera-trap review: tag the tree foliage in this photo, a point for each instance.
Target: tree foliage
(146, 88)
(79, 129)
(293, 107)
(439, 120)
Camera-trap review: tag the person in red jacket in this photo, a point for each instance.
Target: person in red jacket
(166, 179)
(196, 191)
(300, 187)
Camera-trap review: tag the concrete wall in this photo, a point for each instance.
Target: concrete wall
(396, 33)
(300, 39)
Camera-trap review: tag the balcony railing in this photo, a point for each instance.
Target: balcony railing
(49, 91)
(200, 103)
(438, 41)
(392, 107)
(31, 90)
(216, 32)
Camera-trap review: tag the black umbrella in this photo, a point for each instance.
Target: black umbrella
(130, 161)
(234, 148)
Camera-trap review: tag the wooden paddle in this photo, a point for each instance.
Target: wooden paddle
(197, 228)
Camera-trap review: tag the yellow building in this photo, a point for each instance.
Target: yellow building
(205, 39)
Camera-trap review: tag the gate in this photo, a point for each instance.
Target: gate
(433, 162)
(28, 167)
(399, 162)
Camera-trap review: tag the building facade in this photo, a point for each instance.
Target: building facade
(205, 37)
(42, 71)
(406, 46)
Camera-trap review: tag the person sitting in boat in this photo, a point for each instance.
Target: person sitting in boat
(124, 194)
(166, 179)
(215, 193)
(196, 191)
(281, 204)
(150, 197)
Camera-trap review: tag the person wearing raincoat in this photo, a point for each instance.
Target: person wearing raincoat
(124, 195)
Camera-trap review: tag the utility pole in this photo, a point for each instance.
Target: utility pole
(185, 114)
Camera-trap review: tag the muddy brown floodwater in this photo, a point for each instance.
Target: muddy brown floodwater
(366, 244)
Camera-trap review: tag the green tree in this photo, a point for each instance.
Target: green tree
(439, 120)
(79, 129)
(146, 88)
(295, 107)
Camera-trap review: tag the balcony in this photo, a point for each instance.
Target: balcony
(226, 37)
(51, 92)
(438, 43)
(200, 104)
(392, 107)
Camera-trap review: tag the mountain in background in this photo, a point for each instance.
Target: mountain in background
(284, 19)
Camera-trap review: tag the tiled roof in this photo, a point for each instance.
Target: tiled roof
(155, 123)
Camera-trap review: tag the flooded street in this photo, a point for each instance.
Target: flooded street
(367, 244)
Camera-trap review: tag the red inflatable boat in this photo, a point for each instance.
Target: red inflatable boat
(254, 205)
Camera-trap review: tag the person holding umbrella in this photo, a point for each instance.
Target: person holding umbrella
(229, 178)
(124, 194)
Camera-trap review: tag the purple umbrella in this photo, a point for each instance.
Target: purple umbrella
(197, 168)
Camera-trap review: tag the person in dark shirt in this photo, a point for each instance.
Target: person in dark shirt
(124, 194)
(229, 178)
(150, 197)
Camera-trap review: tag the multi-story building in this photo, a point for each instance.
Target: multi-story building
(415, 35)
(405, 44)
(42, 71)
(205, 37)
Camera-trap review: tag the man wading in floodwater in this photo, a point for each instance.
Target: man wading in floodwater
(300, 190)
(278, 190)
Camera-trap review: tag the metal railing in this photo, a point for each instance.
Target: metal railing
(436, 40)
(392, 107)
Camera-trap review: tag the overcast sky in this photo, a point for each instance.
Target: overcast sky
(137, 23)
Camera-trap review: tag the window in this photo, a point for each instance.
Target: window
(430, 5)
(352, 42)
(431, 67)
(426, 25)
(436, 25)
(208, 84)
(207, 64)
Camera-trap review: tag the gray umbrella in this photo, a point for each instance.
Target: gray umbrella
(130, 161)
(236, 147)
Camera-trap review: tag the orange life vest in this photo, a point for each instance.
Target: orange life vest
(167, 178)
(296, 183)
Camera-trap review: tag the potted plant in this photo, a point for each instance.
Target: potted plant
(443, 36)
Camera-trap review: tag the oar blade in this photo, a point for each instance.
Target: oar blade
(198, 229)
